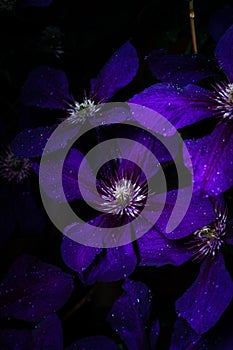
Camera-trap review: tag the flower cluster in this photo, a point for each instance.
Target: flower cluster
(159, 288)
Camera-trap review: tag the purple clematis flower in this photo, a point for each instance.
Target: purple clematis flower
(208, 297)
(130, 316)
(211, 155)
(123, 198)
(33, 289)
(48, 88)
(201, 236)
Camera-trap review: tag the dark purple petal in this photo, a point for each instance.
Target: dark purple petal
(184, 337)
(180, 69)
(94, 343)
(199, 214)
(220, 21)
(98, 265)
(224, 53)
(156, 250)
(130, 314)
(154, 334)
(70, 175)
(16, 339)
(48, 334)
(46, 87)
(212, 161)
(114, 264)
(147, 152)
(51, 178)
(116, 73)
(181, 106)
(31, 143)
(38, 3)
(33, 289)
(78, 256)
(205, 301)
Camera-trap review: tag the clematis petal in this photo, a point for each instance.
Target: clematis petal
(180, 69)
(16, 339)
(156, 250)
(220, 21)
(97, 265)
(154, 334)
(184, 337)
(48, 334)
(31, 143)
(118, 72)
(224, 53)
(38, 3)
(46, 87)
(33, 289)
(94, 343)
(77, 256)
(205, 301)
(212, 161)
(180, 106)
(113, 265)
(130, 314)
(199, 214)
(50, 178)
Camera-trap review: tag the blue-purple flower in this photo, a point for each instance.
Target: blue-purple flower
(48, 88)
(205, 301)
(211, 155)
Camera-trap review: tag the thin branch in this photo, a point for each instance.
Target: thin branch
(84, 300)
(192, 26)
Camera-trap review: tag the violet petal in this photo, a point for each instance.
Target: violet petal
(113, 264)
(184, 337)
(33, 289)
(156, 250)
(199, 214)
(220, 21)
(46, 87)
(116, 73)
(180, 69)
(181, 106)
(130, 314)
(48, 334)
(77, 256)
(224, 53)
(205, 301)
(31, 143)
(16, 339)
(38, 3)
(212, 161)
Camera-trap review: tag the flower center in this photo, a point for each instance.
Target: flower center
(13, 169)
(123, 197)
(224, 100)
(208, 240)
(79, 112)
(124, 192)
